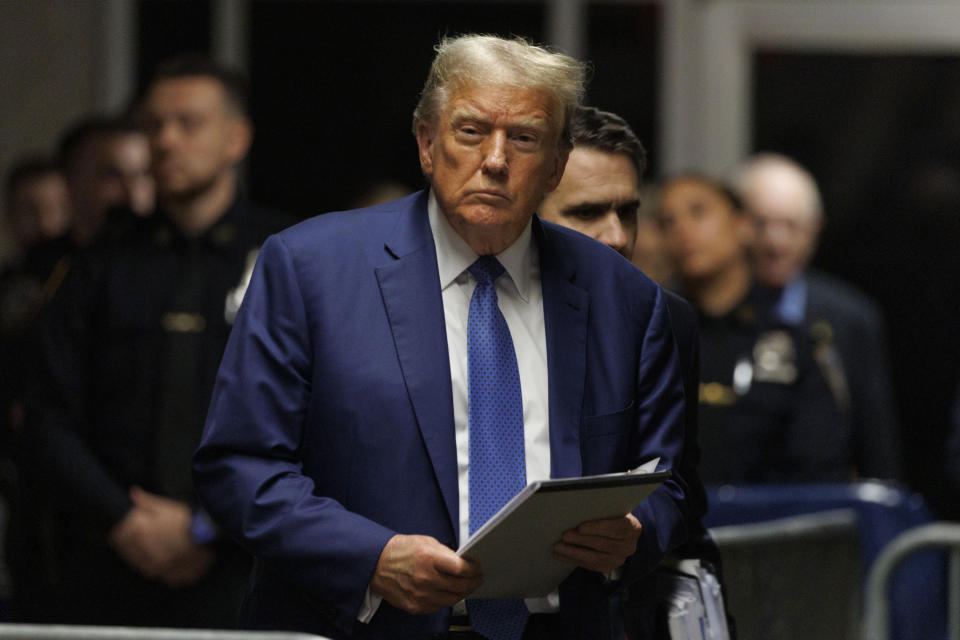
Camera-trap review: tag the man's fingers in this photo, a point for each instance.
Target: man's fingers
(618, 546)
(144, 499)
(587, 558)
(449, 563)
(420, 575)
(153, 502)
(624, 527)
(189, 569)
(461, 587)
(137, 494)
(600, 545)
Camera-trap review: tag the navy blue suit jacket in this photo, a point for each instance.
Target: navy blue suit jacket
(331, 424)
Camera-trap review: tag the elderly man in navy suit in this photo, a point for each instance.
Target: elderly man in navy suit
(397, 372)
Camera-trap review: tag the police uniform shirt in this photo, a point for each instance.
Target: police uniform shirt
(766, 413)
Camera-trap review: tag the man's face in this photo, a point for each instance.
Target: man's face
(111, 170)
(124, 175)
(702, 232)
(196, 137)
(40, 209)
(491, 156)
(598, 196)
(787, 228)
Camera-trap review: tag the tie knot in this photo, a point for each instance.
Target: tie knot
(486, 269)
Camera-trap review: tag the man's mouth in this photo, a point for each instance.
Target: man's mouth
(489, 195)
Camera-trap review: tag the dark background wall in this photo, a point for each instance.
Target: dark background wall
(882, 136)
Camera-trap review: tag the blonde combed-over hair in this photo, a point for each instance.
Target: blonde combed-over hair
(485, 60)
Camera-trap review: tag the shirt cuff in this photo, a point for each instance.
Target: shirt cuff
(614, 575)
(369, 607)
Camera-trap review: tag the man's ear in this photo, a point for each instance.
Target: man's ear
(559, 163)
(240, 136)
(425, 135)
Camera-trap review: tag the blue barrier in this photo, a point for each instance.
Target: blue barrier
(918, 590)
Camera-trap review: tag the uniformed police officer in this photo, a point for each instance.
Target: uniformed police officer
(131, 346)
(766, 412)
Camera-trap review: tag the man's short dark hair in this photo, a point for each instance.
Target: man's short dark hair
(235, 83)
(609, 133)
(74, 139)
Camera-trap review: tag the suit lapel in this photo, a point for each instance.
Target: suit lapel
(410, 287)
(565, 307)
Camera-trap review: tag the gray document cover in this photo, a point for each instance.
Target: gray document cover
(515, 547)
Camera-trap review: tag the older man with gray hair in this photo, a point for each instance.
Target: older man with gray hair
(846, 327)
(397, 373)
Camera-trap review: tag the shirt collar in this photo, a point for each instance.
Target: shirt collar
(791, 308)
(454, 255)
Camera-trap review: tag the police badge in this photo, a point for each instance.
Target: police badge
(775, 358)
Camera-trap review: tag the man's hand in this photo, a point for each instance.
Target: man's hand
(600, 545)
(420, 575)
(154, 538)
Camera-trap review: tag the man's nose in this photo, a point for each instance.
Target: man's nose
(775, 230)
(495, 153)
(163, 136)
(612, 232)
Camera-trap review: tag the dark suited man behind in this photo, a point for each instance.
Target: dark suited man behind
(340, 446)
(130, 348)
(599, 196)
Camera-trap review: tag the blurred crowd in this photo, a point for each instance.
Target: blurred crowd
(126, 257)
(129, 254)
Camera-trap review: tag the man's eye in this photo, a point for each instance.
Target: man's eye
(525, 140)
(190, 123)
(586, 213)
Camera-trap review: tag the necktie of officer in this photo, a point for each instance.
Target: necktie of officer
(497, 458)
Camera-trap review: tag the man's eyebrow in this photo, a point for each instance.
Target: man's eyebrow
(587, 206)
(538, 123)
(463, 113)
(606, 204)
(466, 114)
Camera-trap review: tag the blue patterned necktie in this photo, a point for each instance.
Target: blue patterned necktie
(497, 459)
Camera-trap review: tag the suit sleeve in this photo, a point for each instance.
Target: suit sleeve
(683, 321)
(660, 420)
(248, 468)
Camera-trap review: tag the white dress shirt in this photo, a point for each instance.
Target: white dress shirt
(521, 301)
(520, 298)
